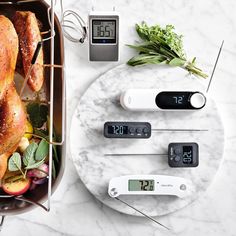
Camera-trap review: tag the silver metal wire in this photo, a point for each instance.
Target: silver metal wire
(142, 213)
(73, 26)
(213, 71)
(179, 130)
(135, 154)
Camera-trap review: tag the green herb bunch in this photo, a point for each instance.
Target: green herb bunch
(162, 46)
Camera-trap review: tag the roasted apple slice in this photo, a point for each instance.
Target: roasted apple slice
(16, 185)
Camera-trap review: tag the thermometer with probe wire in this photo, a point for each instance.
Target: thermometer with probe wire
(149, 185)
(179, 155)
(136, 130)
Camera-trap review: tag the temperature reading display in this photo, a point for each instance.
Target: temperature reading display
(173, 100)
(141, 185)
(117, 129)
(178, 99)
(187, 154)
(104, 31)
(123, 129)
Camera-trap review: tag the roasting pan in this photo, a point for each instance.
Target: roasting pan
(54, 93)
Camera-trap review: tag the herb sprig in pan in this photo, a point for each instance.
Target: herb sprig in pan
(162, 46)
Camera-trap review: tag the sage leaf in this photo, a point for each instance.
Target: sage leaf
(42, 150)
(35, 165)
(14, 163)
(28, 155)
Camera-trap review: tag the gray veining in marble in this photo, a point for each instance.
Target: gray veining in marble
(100, 103)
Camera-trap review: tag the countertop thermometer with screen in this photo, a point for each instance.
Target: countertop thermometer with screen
(103, 36)
(150, 185)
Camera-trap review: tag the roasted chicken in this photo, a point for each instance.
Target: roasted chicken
(27, 28)
(12, 112)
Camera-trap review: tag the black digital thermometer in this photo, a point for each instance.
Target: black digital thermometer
(179, 154)
(183, 155)
(153, 99)
(118, 129)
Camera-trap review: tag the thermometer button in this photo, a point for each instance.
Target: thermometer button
(183, 187)
(198, 100)
(132, 130)
(113, 192)
(145, 130)
(177, 151)
(139, 130)
(177, 158)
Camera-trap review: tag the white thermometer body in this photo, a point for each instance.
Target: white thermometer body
(150, 185)
(154, 100)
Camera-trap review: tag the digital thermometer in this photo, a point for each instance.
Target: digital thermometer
(183, 155)
(124, 129)
(179, 154)
(118, 129)
(154, 100)
(103, 36)
(150, 185)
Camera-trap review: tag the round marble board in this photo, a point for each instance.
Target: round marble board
(100, 103)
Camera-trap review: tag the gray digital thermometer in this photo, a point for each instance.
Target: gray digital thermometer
(103, 36)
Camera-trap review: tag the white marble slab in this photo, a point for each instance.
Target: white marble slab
(100, 103)
(74, 210)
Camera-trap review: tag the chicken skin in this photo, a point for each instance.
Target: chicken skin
(12, 111)
(27, 28)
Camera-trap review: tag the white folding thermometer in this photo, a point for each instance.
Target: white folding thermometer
(150, 185)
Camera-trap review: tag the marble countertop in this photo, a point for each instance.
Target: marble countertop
(74, 210)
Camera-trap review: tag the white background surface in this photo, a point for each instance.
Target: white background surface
(74, 210)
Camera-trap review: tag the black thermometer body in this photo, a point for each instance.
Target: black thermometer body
(183, 155)
(180, 100)
(118, 129)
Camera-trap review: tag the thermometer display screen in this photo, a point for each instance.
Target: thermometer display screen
(173, 100)
(187, 154)
(104, 31)
(141, 185)
(118, 129)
